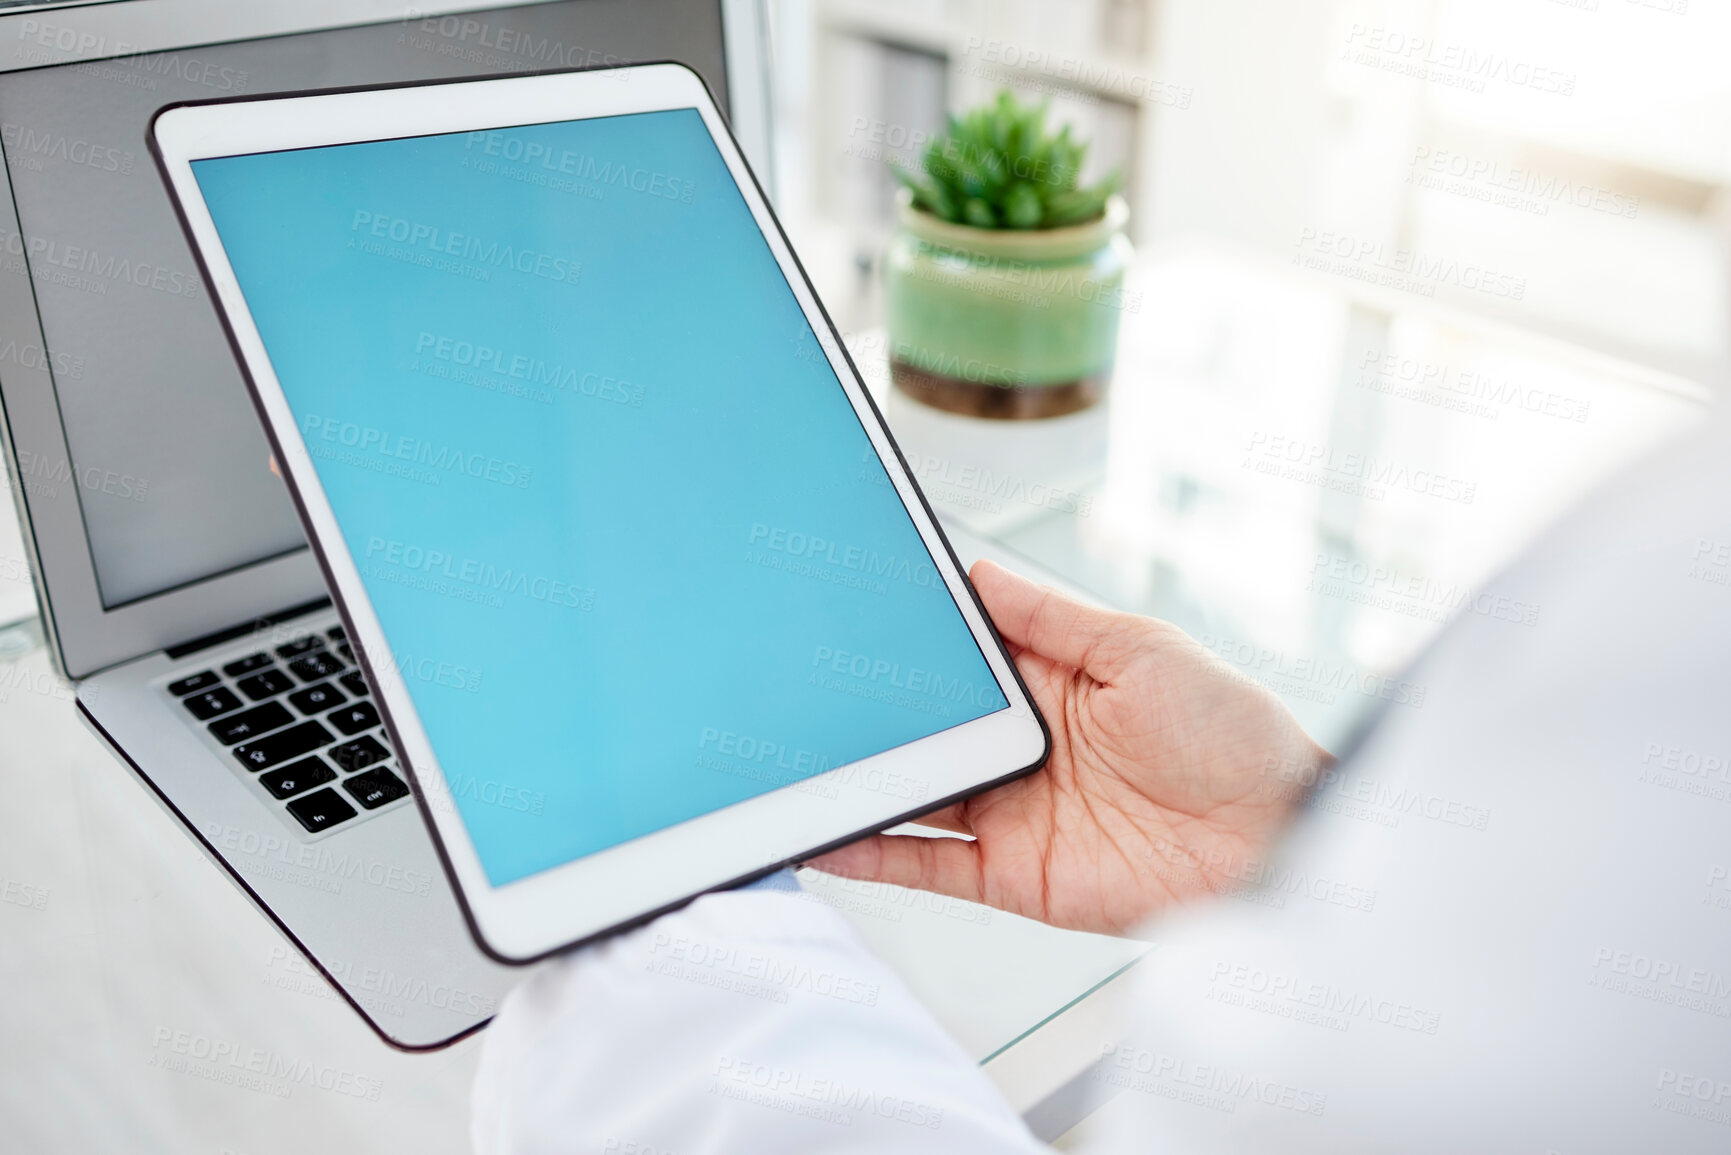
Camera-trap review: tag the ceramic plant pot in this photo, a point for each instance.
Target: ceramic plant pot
(1009, 323)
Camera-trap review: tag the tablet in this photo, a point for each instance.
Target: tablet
(649, 599)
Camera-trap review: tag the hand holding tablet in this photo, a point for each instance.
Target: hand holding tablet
(602, 500)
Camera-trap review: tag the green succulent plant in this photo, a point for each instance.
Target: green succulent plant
(998, 168)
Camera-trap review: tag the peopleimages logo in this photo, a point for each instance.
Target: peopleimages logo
(958, 483)
(490, 793)
(1079, 78)
(694, 957)
(1703, 774)
(33, 356)
(265, 851)
(228, 1061)
(482, 576)
(878, 672)
(404, 454)
(1529, 190)
(762, 752)
(1451, 65)
(511, 46)
(36, 146)
(40, 682)
(1415, 378)
(534, 372)
(91, 271)
(1386, 587)
(1412, 270)
(142, 68)
(23, 894)
(1287, 995)
(832, 1100)
(441, 242)
(1294, 459)
(1662, 980)
(41, 477)
(564, 162)
(1312, 679)
(918, 571)
(1711, 562)
(1357, 796)
(1200, 1084)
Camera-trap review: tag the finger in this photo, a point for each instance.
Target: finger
(1039, 618)
(945, 865)
(950, 818)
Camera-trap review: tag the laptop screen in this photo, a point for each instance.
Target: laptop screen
(170, 466)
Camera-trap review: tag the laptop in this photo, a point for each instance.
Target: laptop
(177, 591)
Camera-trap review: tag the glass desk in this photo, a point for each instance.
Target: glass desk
(1308, 474)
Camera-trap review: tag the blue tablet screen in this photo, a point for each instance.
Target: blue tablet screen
(630, 546)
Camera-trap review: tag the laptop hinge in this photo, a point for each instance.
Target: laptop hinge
(232, 632)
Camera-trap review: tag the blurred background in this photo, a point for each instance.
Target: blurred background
(1487, 238)
(1607, 122)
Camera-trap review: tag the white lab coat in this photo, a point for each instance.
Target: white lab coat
(1505, 926)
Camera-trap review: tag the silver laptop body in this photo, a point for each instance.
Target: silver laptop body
(175, 586)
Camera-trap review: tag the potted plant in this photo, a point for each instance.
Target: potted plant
(1004, 281)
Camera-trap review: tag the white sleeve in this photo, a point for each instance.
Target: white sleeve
(750, 1021)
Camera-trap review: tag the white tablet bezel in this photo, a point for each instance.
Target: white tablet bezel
(625, 884)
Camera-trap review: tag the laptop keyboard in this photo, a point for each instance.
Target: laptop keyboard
(300, 722)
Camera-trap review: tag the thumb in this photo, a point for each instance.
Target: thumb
(1098, 642)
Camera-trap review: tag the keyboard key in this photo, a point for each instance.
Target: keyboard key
(300, 646)
(211, 703)
(375, 788)
(266, 685)
(203, 680)
(336, 634)
(316, 666)
(354, 683)
(351, 756)
(297, 776)
(316, 698)
(353, 719)
(283, 745)
(348, 654)
(247, 665)
(250, 723)
(321, 811)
